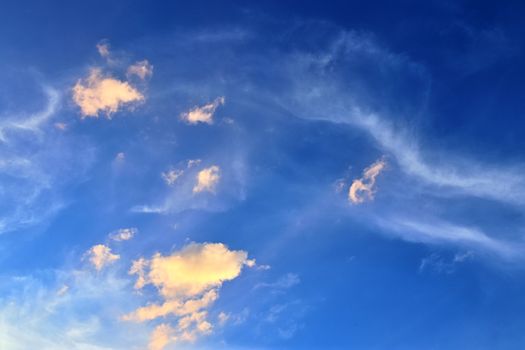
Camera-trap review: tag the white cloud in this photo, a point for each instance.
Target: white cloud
(123, 234)
(34, 121)
(287, 281)
(142, 69)
(202, 114)
(103, 49)
(171, 176)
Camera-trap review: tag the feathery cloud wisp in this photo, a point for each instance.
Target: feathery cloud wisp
(203, 114)
(123, 234)
(142, 69)
(363, 188)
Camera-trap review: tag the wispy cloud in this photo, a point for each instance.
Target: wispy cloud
(123, 234)
(202, 114)
(363, 188)
(100, 256)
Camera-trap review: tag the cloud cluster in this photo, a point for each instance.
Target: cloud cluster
(202, 114)
(188, 282)
(363, 188)
(98, 93)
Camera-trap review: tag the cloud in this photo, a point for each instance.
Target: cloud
(434, 231)
(441, 264)
(35, 164)
(103, 49)
(188, 281)
(287, 281)
(203, 114)
(123, 234)
(142, 69)
(161, 336)
(207, 179)
(33, 122)
(363, 188)
(171, 176)
(98, 93)
(101, 256)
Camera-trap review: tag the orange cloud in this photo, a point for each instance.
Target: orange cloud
(142, 69)
(207, 179)
(363, 188)
(100, 256)
(188, 281)
(97, 94)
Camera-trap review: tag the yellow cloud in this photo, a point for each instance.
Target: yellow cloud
(160, 337)
(363, 188)
(188, 281)
(142, 69)
(207, 179)
(100, 256)
(203, 114)
(97, 94)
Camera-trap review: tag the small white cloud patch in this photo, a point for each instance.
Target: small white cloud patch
(142, 69)
(203, 114)
(171, 176)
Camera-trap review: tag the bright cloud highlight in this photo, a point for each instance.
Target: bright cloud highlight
(101, 256)
(188, 281)
(207, 179)
(363, 188)
(203, 114)
(98, 93)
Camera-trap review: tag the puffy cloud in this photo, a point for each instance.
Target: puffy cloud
(171, 176)
(363, 188)
(100, 256)
(203, 114)
(207, 179)
(188, 281)
(161, 337)
(142, 69)
(98, 93)
(123, 234)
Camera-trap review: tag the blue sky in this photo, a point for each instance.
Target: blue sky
(273, 175)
